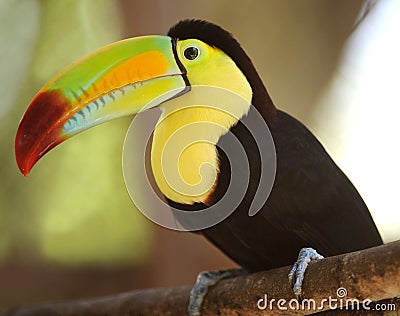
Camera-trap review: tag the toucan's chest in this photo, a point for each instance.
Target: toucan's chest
(184, 158)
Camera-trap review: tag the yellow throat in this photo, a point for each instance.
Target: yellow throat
(184, 156)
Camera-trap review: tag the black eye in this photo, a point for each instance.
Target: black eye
(191, 53)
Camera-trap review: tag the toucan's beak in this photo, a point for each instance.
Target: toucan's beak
(120, 79)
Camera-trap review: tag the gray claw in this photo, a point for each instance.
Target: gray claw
(296, 274)
(204, 281)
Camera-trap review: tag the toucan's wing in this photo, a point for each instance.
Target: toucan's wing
(312, 204)
(312, 197)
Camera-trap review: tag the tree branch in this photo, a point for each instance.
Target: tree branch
(372, 274)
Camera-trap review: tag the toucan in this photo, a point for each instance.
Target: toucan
(312, 203)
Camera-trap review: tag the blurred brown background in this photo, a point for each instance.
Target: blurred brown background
(69, 230)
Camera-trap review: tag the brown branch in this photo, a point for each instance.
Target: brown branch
(372, 274)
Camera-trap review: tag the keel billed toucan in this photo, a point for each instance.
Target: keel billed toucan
(312, 202)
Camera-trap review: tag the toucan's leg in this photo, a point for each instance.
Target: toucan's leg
(296, 275)
(204, 281)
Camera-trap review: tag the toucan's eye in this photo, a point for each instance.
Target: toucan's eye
(191, 53)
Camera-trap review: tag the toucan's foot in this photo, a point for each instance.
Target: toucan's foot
(296, 275)
(204, 281)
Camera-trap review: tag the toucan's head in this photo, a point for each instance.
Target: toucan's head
(130, 76)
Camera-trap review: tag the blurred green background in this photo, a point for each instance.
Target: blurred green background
(46, 209)
(69, 230)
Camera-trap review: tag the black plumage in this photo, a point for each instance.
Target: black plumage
(312, 203)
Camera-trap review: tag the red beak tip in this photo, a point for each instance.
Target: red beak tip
(22, 157)
(23, 166)
(25, 172)
(39, 129)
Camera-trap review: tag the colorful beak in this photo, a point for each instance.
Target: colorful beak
(121, 79)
